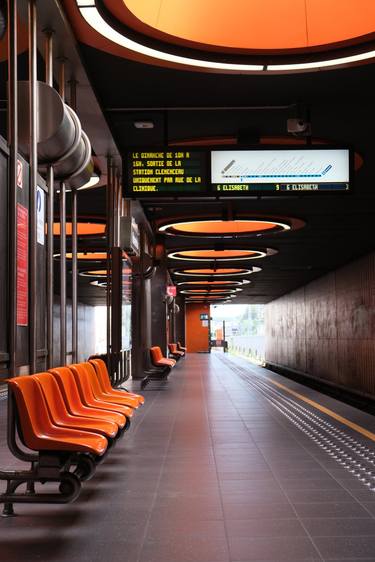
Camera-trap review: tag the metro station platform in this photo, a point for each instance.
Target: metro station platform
(227, 462)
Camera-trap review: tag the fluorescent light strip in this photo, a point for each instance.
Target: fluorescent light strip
(92, 16)
(322, 64)
(95, 20)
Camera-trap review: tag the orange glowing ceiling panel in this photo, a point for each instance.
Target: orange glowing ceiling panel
(332, 21)
(221, 227)
(88, 256)
(83, 229)
(216, 254)
(214, 271)
(206, 298)
(211, 283)
(207, 291)
(242, 24)
(97, 272)
(257, 24)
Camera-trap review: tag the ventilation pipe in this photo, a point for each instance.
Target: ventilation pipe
(61, 141)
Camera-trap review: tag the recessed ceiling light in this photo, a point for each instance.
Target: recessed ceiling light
(89, 256)
(83, 228)
(214, 228)
(219, 255)
(207, 273)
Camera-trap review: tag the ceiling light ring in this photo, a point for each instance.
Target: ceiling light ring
(279, 226)
(259, 253)
(214, 276)
(103, 22)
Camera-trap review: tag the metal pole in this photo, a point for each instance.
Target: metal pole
(50, 214)
(109, 242)
(62, 77)
(62, 274)
(74, 277)
(74, 216)
(115, 242)
(13, 155)
(33, 182)
(62, 240)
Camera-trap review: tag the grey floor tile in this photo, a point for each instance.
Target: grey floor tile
(305, 496)
(340, 527)
(338, 509)
(281, 549)
(346, 547)
(185, 548)
(259, 511)
(264, 528)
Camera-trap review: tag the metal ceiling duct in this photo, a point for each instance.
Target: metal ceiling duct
(78, 167)
(61, 141)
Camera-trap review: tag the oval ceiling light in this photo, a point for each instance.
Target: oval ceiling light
(294, 60)
(101, 272)
(94, 273)
(198, 298)
(211, 228)
(211, 283)
(222, 272)
(219, 255)
(83, 229)
(213, 292)
(89, 256)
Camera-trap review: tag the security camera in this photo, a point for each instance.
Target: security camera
(297, 126)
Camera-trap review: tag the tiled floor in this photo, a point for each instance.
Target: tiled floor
(210, 471)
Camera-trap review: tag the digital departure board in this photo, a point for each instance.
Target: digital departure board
(309, 169)
(174, 172)
(219, 172)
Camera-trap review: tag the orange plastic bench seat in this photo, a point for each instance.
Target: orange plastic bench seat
(38, 431)
(73, 400)
(60, 415)
(173, 349)
(104, 380)
(159, 360)
(87, 383)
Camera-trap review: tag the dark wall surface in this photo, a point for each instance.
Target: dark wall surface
(326, 329)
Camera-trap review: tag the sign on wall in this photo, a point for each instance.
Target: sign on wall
(22, 265)
(40, 215)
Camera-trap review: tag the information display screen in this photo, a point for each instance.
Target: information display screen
(239, 172)
(166, 171)
(280, 170)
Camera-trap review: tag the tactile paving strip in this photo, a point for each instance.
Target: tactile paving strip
(349, 452)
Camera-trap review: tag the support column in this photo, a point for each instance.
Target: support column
(33, 182)
(62, 274)
(50, 214)
(74, 217)
(13, 156)
(109, 206)
(62, 242)
(159, 308)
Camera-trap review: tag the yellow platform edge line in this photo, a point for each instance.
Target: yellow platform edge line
(325, 410)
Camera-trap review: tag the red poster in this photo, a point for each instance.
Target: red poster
(22, 265)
